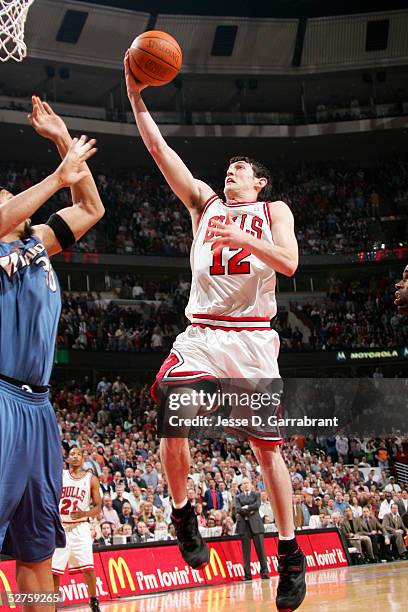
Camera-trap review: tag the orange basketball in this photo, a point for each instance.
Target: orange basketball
(155, 58)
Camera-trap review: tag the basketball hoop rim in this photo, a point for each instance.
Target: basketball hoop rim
(13, 15)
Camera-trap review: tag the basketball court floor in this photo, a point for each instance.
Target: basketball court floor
(375, 588)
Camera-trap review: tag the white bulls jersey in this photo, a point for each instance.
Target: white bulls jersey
(232, 288)
(75, 496)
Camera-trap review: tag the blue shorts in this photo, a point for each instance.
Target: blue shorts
(30, 475)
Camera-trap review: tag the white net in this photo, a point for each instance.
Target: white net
(13, 14)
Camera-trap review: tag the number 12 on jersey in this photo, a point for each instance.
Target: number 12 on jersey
(235, 264)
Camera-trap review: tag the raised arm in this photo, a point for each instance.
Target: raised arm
(87, 206)
(191, 191)
(21, 207)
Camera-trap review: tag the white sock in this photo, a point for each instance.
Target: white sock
(182, 504)
(285, 538)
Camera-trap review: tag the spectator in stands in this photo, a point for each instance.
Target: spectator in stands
(356, 535)
(309, 507)
(139, 480)
(319, 476)
(318, 521)
(119, 498)
(228, 527)
(212, 499)
(109, 513)
(403, 507)
(265, 509)
(339, 504)
(126, 517)
(356, 507)
(342, 447)
(107, 533)
(105, 486)
(160, 499)
(146, 514)
(160, 522)
(298, 514)
(386, 504)
(371, 480)
(121, 463)
(226, 496)
(126, 530)
(143, 534)
(297, 339)
(376, 532)
(382, 456)
(150, 476)
(392, 486)
(396, 530)
(129, 479)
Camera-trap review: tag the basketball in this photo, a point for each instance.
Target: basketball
(155, 58)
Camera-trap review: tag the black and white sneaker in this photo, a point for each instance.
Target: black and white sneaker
(193, 549)
(94, 604)
(292, 584)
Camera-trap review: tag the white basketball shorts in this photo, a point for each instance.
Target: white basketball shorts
(77, 554)
(201, 353)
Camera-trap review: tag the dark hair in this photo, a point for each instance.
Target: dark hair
(27, 233)
(78, 448)
(107, 523)
(260, 171)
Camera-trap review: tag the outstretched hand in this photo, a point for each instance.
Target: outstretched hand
(133, 86)
(228, 234)
(71, 170)
(45, 122)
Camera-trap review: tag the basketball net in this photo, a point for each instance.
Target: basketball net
(13, 15)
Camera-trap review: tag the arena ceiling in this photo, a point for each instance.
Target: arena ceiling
(105, 87)
(208, 156)
(243, 8)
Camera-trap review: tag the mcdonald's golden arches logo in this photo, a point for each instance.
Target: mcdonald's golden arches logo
(6, 587)
(214, 566)
(118, 569)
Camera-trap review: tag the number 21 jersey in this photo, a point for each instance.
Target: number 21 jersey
(75, 496)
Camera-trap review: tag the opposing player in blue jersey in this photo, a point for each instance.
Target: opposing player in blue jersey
(30, 303)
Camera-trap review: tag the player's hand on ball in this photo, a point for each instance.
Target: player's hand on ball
(228, 234)
(79, 514)
(71, 170)
(133, 86)
(45, 122)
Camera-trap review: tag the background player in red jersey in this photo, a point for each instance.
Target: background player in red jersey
(80, 488)
(212, 347)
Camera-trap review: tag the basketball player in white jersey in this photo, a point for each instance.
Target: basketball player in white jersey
(80, 489)
(239, 246)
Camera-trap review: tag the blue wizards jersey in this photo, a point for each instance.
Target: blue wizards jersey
(30, 307)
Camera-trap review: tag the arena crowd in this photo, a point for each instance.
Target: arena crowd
(337, 208)
(337, 480)
(357, 313)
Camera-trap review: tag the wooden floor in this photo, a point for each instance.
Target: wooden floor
(372, 588)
